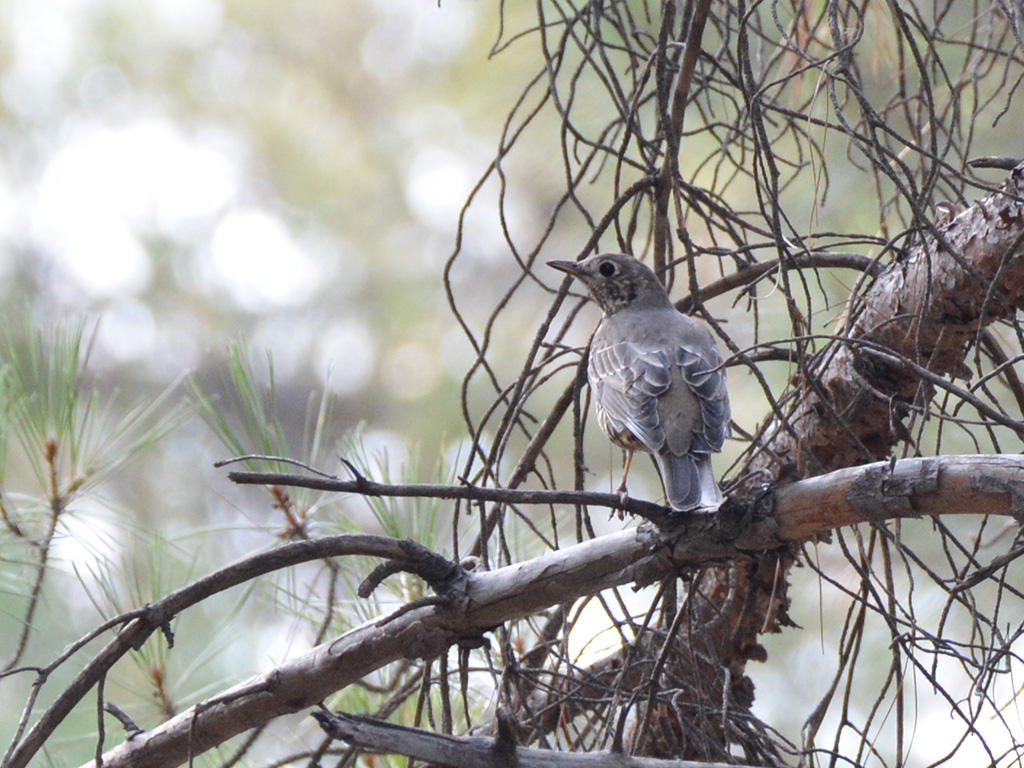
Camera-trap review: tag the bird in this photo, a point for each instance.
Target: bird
(656, 377)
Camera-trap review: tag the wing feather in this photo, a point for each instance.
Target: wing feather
(664, 384)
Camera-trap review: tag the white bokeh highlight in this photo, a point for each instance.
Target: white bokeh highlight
(258, 263)
(106, 186)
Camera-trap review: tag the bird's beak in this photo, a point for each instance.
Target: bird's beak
(569, 267)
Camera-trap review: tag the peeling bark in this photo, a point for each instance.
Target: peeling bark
(921, 312)
(479, 752)
(925, 308)
(733, 615)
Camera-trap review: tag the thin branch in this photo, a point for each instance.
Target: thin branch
(362, 486)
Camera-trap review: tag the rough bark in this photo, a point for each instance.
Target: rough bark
(479, 752)
(923, 310)
(907, 331)
(910, 488)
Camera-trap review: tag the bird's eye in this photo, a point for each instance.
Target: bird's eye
(607, 269)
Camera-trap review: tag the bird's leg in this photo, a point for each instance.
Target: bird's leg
(623, 494)
(625, 472)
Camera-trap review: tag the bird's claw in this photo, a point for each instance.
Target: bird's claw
(623, 498)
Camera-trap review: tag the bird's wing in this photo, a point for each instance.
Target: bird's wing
(702, 370)
(628, 378)
(626, 381)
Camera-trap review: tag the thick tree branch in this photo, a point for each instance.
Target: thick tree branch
(909, 488)
(138, 625)
(477, 752)
(925, 308)
(992, 484)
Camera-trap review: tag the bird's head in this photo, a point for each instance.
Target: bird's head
(617, 281)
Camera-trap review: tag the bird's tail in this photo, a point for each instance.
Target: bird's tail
(689, 481)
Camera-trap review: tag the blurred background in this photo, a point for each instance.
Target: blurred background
(185, 176)
(196, 171)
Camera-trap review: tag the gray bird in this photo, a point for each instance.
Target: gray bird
(656, 377)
